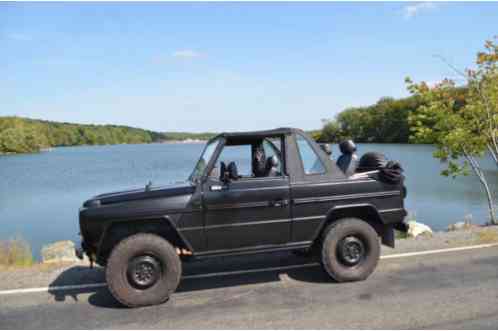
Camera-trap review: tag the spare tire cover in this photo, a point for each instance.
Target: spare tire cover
(392, 173)
(372, 161)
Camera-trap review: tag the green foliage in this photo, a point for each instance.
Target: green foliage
(15, 252)
(23, 135)
(384, 122)
(331, 132)
(315, 134)
(20, 141)
(461, 122)
(444, 120)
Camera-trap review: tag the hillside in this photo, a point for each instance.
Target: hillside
(24, 135)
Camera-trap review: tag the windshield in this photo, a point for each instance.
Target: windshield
(203, 160)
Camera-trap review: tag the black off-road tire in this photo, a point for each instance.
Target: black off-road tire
(333, 237)
(137, 245)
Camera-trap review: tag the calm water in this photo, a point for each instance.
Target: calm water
(40, 193)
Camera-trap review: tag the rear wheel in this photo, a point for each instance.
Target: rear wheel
(350, 250)
(143, 269)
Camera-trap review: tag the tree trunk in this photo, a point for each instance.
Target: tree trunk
(482, 178)
(494, 153)
(491, 203)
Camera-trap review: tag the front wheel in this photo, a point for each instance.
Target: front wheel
(350, 250)
(143, 269)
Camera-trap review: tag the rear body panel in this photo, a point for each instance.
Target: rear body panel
(312, 203)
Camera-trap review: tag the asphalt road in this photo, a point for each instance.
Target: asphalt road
(456, 290)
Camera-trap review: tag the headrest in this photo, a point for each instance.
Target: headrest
(272, 161)
(347, 147)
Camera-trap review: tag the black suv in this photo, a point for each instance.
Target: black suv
(250, 192)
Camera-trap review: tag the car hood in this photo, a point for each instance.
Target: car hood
(139, 194)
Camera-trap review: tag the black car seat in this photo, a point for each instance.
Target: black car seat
(272, 167)
(229, 172)
(233, 173)
(348, 161)
(259, 162)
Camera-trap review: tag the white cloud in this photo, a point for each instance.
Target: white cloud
(18, 36)
(413, 10)
(186, 54)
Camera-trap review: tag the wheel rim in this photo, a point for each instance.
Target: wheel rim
(144, 271)
(351, 250)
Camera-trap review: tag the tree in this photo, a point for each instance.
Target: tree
(331, 132)
(484, 94)
(383, 122)
(24, 140)
(461, 122)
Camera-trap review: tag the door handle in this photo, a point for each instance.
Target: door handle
(216, 188)
(279, 203)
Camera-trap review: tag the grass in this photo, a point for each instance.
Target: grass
(15, 252)
(487, 236)
(411, 216)
(400, 235)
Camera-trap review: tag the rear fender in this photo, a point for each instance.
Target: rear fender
(365, 212)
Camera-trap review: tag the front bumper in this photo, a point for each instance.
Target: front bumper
(84, 249)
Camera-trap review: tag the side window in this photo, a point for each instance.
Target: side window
(240, 154)
(272, 145)
(311, 162)
(204, 159)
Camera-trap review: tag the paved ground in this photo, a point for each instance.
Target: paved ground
(449, 290)
(42, 275)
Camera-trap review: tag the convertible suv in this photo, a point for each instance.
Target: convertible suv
(250, 192)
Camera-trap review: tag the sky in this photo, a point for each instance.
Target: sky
(226, 66)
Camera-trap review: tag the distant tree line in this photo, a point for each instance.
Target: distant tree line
(23, 135)
(387, 121)
(187, 135)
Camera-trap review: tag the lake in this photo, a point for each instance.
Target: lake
(40, 194)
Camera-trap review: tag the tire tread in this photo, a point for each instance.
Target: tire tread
(328, 235)
(131, 243)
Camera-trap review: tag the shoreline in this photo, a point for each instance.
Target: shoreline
(50, 149)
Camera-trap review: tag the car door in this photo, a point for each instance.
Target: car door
(248, 212)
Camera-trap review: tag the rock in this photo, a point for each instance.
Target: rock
(416, 229)
(459, 226)
(60, 251)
